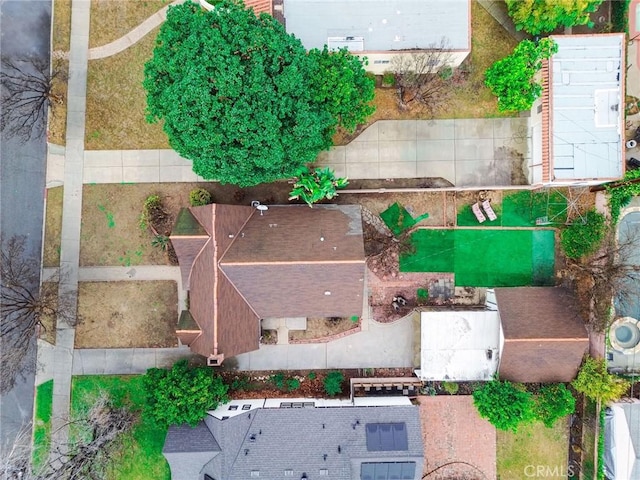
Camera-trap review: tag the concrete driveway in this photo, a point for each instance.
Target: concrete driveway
(466, 152)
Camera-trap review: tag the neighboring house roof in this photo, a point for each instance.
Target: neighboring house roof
(260, 6)
(544, 337)
(379, 25)
(622, 441)
(583, 135)
(290, 261)
(455, 345)
(332, 442)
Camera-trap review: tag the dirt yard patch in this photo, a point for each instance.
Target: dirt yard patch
(127, 314)
(322, 327)
(454, 433)
(53, 227)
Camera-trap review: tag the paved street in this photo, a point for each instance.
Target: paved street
(25, 29)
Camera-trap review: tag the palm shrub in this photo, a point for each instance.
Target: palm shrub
(595, 382)
(553, 402)
(333, 383)
(314, 186)
(504, 404)
(182, 394)
(582, 239)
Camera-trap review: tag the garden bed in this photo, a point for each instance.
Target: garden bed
(127, 314)
(321, 328)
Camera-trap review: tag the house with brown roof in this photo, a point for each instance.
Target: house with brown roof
(577, 125)
(545, 338)
(526, 334)
(242, 264)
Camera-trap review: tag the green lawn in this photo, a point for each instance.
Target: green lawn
(141, 457)
(520, 209)
(534, 452)
(484, 258)
(42, 424)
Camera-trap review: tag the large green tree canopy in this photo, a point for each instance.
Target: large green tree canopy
(542, 16)
(243, 99)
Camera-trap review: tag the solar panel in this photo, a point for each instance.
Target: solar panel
(384, 437)
(387, 471)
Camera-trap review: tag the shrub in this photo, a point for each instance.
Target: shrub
(581, 239)
(595, 382)
(450, 387)
(512, 79)
(199, 197)
(292, 384)
(422, 296)
(312, 376)
(504, 404)
(161, 242)
(388, 79)
(446, 73)
(315, 186)
(182, 394)
(278, 380)
(553, 402)
(620, 194)
(371, 76)
(355, 318)
(151, 204)
(333, 383)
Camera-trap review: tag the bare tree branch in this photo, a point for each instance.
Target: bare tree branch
(26, 93)
(23, 305)
(420, 77)
(609, 273)
(97, 435)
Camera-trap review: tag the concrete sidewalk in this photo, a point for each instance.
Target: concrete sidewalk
(62, 361)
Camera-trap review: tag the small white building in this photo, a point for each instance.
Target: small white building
(459, 345)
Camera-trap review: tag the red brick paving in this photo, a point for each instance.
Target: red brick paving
(452, 431)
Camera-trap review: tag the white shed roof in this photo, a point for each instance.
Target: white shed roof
(587, 107)
(455, 345)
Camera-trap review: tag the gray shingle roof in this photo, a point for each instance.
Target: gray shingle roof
(188, 449)
(306, 440)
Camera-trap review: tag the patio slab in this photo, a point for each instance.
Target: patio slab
(453, 431)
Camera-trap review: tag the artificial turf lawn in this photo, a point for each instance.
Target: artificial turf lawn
(141, 456)
(398, 219)
(520, 209)
(42, 427)
(484, 258)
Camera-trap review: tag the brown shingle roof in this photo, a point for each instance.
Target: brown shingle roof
(296, 233)
(545, 339)
(301, 289)
(272, 265)
(260, 6)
